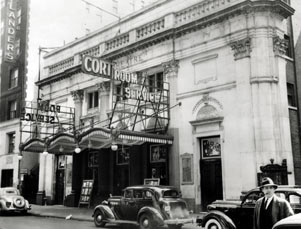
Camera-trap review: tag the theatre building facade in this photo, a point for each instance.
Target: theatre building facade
(185, 93)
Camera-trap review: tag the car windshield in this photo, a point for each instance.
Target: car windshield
(9, 191)
(170, 193)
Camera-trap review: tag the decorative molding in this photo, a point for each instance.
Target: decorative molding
(206, 100)
(220, 87)
(242, 48)
(77, 95)
(280, 46)
(170, 67)
(264, 79)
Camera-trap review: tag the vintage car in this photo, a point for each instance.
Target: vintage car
(291, 222)
(223, 214)
(12, 201)
(147, 206)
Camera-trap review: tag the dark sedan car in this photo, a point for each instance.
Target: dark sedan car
(146, 206)
(224, 214)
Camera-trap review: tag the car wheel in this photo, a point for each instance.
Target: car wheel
(98, 219)
(214, 224)
(146, 221)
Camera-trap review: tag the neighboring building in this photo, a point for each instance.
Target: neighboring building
(13, 70)
(221, 72)
(296, 24)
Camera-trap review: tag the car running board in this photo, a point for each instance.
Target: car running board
(121, 221)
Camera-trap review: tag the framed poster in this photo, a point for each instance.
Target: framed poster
(93, 159)
(211, 147)
(86, 192)
(187, 168)
(152, 181)
(123, 156)
(158, 153)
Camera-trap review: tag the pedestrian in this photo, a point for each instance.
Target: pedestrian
(270, 208)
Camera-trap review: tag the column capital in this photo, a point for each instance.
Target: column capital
(104, 87)
(170, 67)
(242, 48)
(77, 95)
(279, 45)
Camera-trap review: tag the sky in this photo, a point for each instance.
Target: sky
(53, 23)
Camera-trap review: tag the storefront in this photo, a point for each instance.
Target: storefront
(196, 97)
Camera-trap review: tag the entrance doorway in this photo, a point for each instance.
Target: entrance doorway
(211, 171)
(7, 178)
(60, 179)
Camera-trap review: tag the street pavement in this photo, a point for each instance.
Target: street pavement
(58, 217)
(32, 222)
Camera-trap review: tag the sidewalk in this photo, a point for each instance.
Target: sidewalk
(60, 211)
(74, 213)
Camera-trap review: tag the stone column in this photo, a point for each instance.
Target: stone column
(104, 101)
(270, 105)
(72, 199)
(239, 163)
(171, 76)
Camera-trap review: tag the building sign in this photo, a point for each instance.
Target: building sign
(10, 30)
(151, 92)
(43, 113)
(104, 69)
(42, 119)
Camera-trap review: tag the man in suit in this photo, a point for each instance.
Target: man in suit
(270, 208)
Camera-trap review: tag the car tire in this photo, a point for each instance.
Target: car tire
(214, 223)
(98, 219)
(24, 212)
(146, 221)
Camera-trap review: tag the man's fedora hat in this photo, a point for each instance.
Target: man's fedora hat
(268, 182)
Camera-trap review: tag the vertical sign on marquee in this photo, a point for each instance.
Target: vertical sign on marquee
(10, 30)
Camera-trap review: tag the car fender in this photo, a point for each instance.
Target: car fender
(106, 211)
(154, 212)
(219, 216)
(2, 204)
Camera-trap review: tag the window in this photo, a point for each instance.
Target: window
(11, 142)
(289, 45)
(14, 74)
(155, 82)
(93, 99)
(119, 93)
(291, 94)
(12, 109)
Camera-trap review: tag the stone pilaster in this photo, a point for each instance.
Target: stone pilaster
(104, 89)
(78, 102)
(241, 48)
(170, 70)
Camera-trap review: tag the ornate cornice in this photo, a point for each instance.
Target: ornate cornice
(193, 20)
(77, 95)
(280, 45)
(242, 48)
(170, 67)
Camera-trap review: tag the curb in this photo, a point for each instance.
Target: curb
(50, 215)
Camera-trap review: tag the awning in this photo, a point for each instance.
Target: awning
(95, 138)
